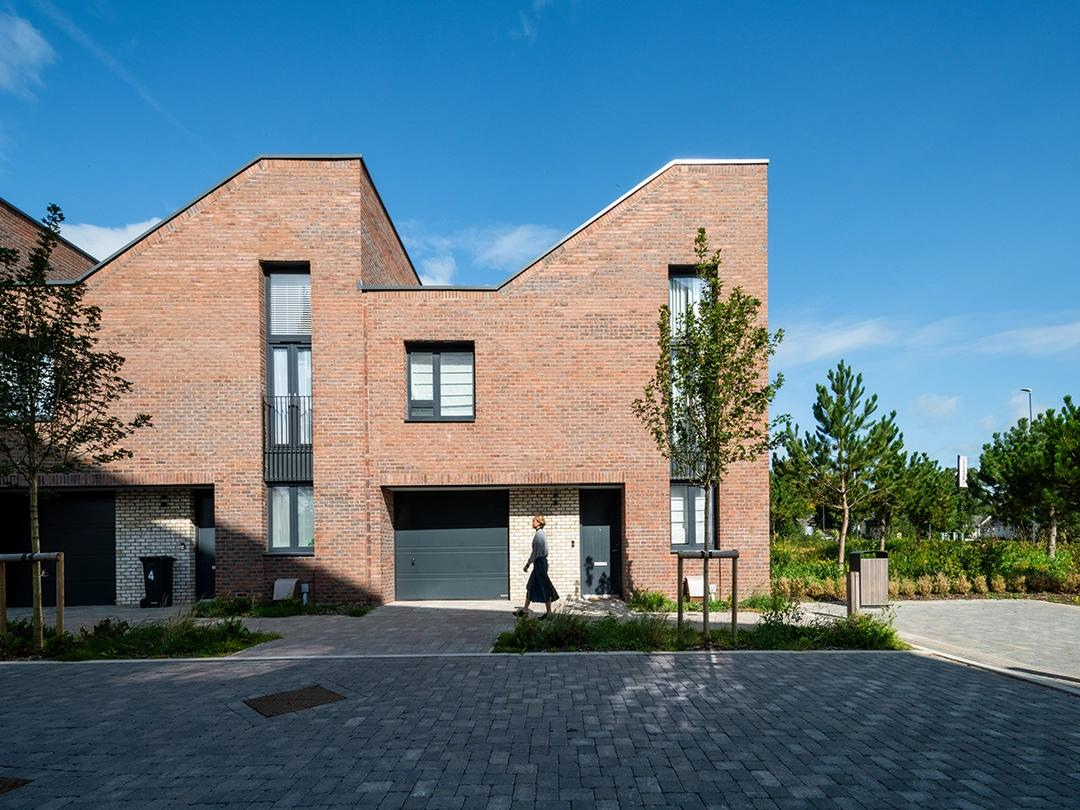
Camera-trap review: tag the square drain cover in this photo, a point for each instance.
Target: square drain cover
(11, 784)
(297, 700)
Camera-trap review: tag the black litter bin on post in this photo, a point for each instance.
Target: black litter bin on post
(157, 580)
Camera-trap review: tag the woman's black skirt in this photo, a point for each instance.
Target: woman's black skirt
(539, 587)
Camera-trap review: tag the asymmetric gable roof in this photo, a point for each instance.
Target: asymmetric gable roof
(582, 226)
(226, 181)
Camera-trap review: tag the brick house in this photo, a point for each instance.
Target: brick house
(319, 414)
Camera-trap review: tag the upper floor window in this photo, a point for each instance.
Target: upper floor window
(288, 303)
(685, 289)
(441, 382)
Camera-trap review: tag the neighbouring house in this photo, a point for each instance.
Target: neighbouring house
(319, 414)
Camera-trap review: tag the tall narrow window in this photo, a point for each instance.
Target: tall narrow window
(292, 519)
(289, 428)
(688, 517)
(685, 289)
(288, 383)
(441, 382)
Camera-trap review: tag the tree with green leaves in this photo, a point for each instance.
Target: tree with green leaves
(930, 498)
(56, 386)
(707, 403)
(788, 505)
(1029, 474)
(847, 460)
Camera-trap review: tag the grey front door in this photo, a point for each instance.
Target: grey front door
(452, 544)
(601, 510)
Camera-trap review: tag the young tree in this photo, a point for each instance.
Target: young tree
(707, 403)
(56, 387)
(1029, 473)
(846, 460)
(788, 506)
(930, 497)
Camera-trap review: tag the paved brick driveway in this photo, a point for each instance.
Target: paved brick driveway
(760, 730)
(1024, 636)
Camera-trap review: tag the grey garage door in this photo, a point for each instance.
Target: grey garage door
(452, 545)
(80, 524)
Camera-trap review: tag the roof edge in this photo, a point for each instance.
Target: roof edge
(670, 164)
(621, 199)
(215, 187)
(37, 223)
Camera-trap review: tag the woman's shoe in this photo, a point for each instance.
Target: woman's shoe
(519, 612)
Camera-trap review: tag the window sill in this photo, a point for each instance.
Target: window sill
(289, 552)
(440, 419)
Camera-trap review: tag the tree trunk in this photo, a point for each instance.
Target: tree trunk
(884, 531)
(844, 525)
(707, 544)
(35, 547)
(1052, 550)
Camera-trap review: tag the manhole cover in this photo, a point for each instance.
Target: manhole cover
(10, 784)
(297, 700)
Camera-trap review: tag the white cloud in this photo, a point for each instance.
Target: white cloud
(804, 343)
(1035, 340)
(505, 248)
(988, 423)
(437, 271)
(24, 53)
(511, 247)
(101, 241)
(936, 405)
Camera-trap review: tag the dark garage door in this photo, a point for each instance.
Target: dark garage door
(452, 545)
(80, 524)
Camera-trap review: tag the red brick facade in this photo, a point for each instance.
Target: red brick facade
(20, 231)
(561, 351)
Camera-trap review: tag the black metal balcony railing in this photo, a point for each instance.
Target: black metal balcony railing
(287, 428)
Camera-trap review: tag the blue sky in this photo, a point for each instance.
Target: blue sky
(924, 204)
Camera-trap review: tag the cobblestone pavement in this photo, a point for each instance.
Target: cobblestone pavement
(1026, 636)
(735, 730)
(400, 628)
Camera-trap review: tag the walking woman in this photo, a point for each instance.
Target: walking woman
(539, 587)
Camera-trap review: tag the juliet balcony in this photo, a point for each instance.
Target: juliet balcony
(287, 430)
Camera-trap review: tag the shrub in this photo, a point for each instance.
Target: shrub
(942, 586)
(894, 588)
(963, 585)
(997, 583)
(813, 589)
(798, 589)
(1072, 583)
(925, 586)
(858, 632)
(828, 588)
(907, 588)
(110, 638)
(1018, 583)
(782, 587)
(979, 584)
(646, 601)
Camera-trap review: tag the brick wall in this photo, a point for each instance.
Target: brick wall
(563, 530)
(154, 522)
(20, 231)
(561, 352)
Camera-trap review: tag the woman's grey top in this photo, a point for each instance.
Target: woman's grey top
(539, 548)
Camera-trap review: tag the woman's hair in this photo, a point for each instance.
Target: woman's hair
(540, 519)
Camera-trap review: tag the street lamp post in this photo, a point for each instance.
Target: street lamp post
(1028, 392)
